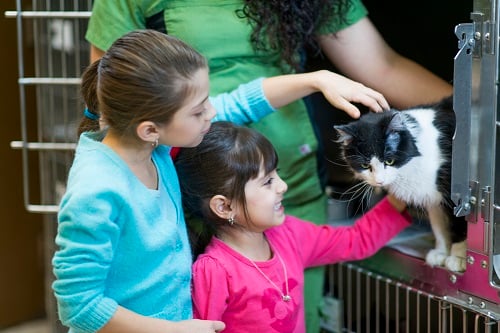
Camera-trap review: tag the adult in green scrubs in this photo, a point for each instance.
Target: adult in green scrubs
(220, 30)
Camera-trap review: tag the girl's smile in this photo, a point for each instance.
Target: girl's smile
(264, 196)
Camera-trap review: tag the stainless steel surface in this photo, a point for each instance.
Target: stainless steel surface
(475, 165)
(460, 191)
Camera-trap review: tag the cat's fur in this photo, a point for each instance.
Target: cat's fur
(408, 153)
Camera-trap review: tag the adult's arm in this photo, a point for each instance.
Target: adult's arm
(361, 53)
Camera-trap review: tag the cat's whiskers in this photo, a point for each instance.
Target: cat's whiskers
(366, 193)
(354, 191)
(366, 199)
(334, 162)
(341, 194)
(359, 190)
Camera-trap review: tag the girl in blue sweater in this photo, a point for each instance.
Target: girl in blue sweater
(123, 262)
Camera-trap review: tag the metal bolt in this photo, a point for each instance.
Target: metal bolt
(453, 278)
(470, 260)
(477, 35)
(470, 300)
(484, 264)
(473, 200)
(482, 305)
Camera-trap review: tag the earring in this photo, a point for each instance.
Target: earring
(155, 143)
(231, 220)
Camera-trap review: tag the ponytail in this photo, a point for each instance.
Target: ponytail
(90, 120)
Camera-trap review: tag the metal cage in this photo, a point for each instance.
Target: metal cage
(389, 292)
(54, 32)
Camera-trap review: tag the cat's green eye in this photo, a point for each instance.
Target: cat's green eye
(365, 166)
(389, 162)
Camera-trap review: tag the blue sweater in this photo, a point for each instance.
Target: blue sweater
(121, 243)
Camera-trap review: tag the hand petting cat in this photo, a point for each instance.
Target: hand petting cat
(396, 203)
(341, 92)
(338, 90)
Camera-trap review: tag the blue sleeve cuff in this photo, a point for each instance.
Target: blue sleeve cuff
(244, 105)
(257, 99)
(96, 318)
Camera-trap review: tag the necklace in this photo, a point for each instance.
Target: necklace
(285, 297)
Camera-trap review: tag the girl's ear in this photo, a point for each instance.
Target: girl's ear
(221, 206)
(148, 131)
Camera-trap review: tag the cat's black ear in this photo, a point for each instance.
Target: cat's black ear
(344, 136)
(397, 123)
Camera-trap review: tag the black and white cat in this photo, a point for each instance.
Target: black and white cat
(408, 153)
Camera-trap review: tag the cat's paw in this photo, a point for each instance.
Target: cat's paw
(455, 264)
(436, 257)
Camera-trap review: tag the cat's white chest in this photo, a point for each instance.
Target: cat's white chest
(416, 181)
(416, 184)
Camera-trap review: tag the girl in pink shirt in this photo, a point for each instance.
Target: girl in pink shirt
(251, 273)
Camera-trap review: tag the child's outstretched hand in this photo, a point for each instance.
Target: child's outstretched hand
(341, 92)
(396, 203)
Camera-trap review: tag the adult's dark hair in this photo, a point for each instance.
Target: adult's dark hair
(145, 75)
(227, 158)
(290, 26)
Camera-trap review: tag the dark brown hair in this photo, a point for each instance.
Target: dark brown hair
(227, 158)
(145, 75)
(290, 26)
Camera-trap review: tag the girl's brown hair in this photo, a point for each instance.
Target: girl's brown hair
(227, 158)
(145, 75)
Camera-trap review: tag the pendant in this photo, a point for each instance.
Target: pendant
(286, 298)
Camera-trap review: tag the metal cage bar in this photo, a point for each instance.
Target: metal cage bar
(386, 305)
(60, 57)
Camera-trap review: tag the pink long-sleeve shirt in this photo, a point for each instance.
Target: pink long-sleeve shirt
(228, 287)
